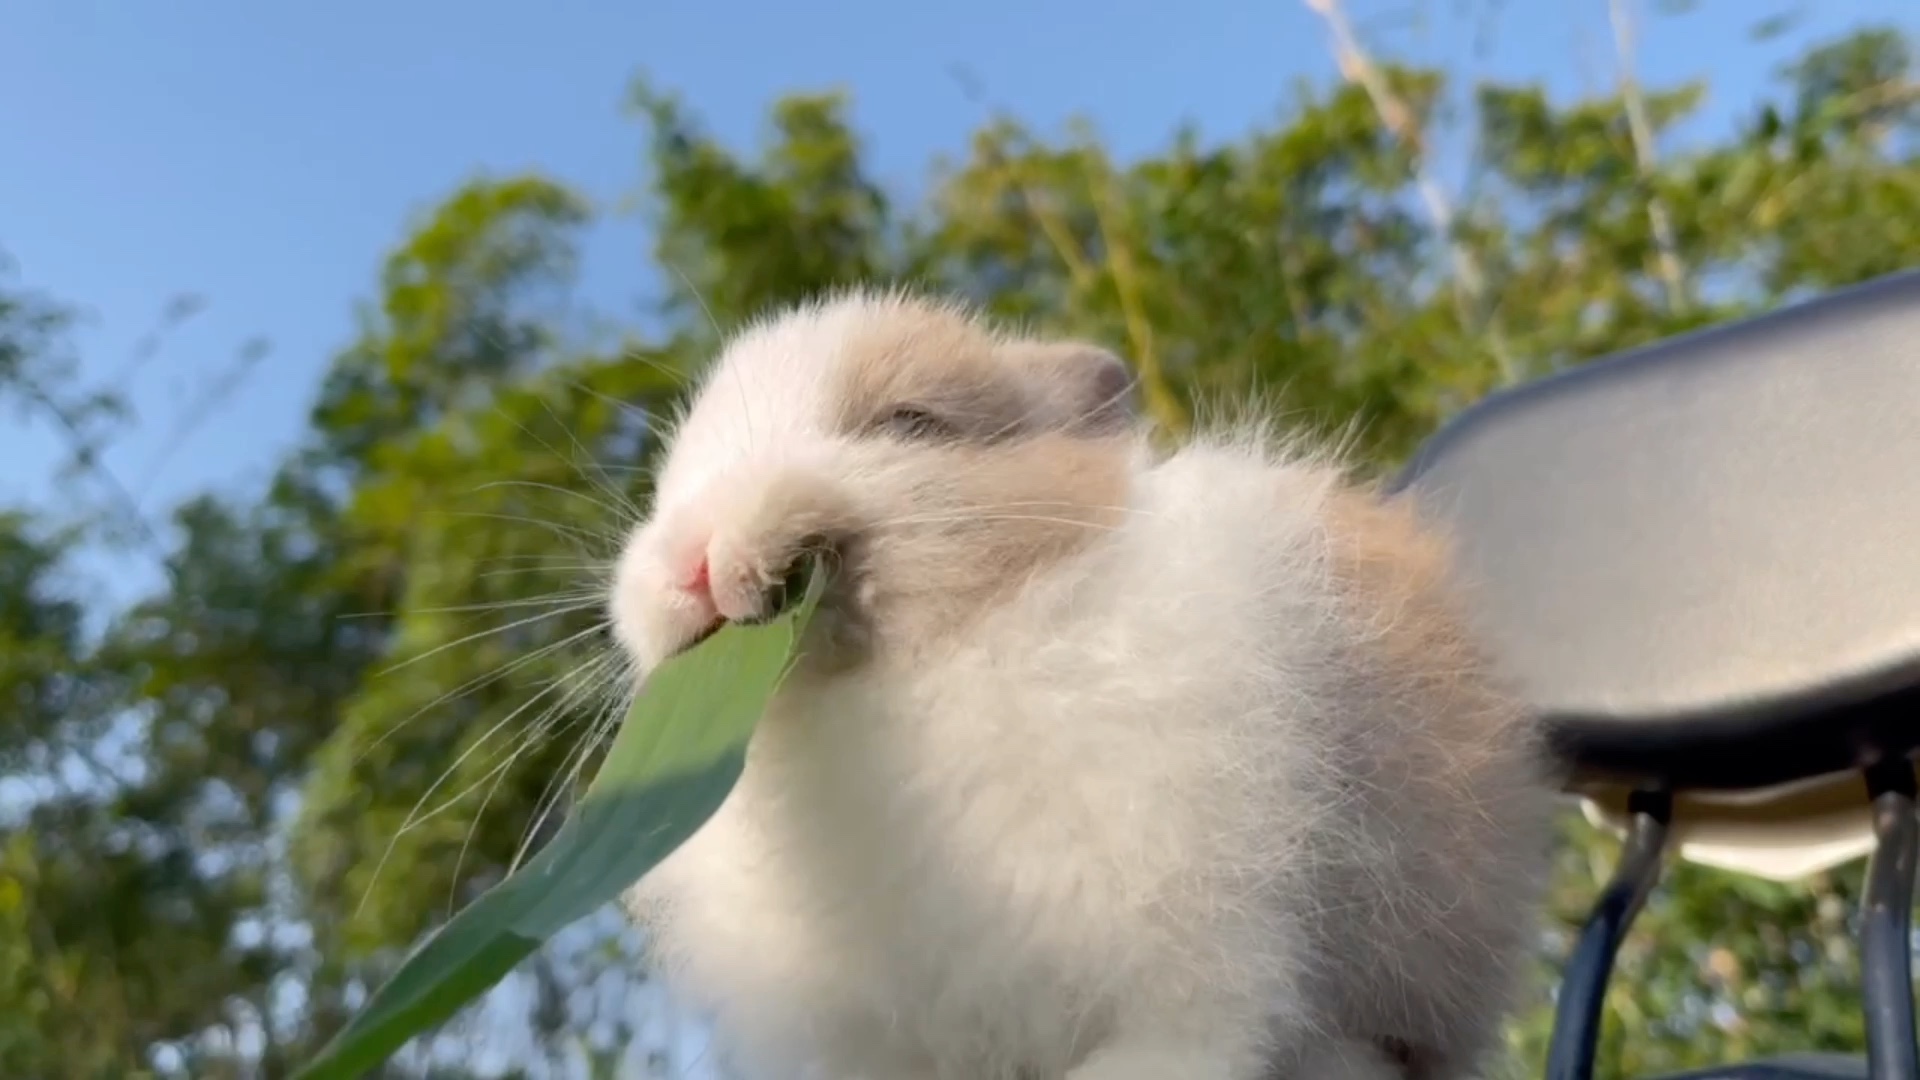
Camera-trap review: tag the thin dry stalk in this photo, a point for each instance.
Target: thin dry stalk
(1357, 67)
(1159, 397)
(1052, 225)
(1108, 209)
(1673, 275)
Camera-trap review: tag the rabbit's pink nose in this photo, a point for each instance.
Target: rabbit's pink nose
(700, 582)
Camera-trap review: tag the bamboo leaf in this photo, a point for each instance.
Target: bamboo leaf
(676, 756)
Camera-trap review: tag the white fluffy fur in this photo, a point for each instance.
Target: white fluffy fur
(1150, 815)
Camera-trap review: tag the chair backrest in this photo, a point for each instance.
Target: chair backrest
(1708, 542)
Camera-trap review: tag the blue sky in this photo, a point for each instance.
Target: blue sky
(265, 155)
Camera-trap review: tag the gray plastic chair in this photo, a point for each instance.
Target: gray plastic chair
(1700, 561)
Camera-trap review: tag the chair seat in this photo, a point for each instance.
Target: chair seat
(1701, 560)
(1800, 1067)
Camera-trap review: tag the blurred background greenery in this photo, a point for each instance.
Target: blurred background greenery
(230, 801)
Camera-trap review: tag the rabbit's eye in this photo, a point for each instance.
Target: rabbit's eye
(912, 422)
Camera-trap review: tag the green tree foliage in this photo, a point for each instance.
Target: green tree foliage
(361, 694)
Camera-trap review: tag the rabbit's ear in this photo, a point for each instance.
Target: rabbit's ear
(1080, 387)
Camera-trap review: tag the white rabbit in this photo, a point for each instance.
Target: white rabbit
(1100, 763)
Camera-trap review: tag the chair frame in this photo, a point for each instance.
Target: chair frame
(1885, 939)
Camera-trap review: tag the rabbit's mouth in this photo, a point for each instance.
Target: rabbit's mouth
(813, 555)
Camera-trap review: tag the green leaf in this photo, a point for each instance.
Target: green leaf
(674, 760)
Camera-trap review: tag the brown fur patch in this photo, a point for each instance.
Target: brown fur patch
(1076, 386)
(1398, 574)
(985, 520)
(912, 353)
(1444, 740)
(951, 526)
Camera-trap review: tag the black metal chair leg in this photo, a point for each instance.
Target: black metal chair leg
(1583, 988)
(1886, 924)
